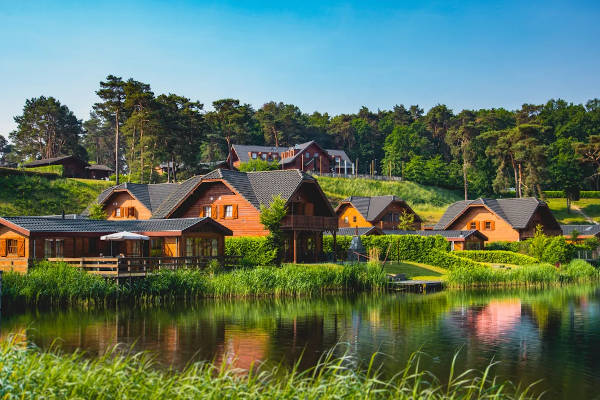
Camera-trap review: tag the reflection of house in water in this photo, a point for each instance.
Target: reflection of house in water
(243, 348)
(496, 319)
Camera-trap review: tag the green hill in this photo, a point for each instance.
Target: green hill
(39, 195)
(428, 201)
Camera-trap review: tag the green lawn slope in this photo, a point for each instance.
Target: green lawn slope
(590, 207)
(38, 195)
(428, 201)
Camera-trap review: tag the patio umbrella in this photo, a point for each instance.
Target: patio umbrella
(120, 236)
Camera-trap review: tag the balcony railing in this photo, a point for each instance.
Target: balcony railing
(309, 222)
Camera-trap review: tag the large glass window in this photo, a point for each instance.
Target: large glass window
(59, 247)
(215, 247)
(208, 211)
(48, 248)
(189, 247)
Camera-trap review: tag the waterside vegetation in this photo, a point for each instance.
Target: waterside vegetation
(32, 373)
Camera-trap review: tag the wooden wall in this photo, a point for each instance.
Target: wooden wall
(502, 230)
(350, 212)
(125, 200)
(17, 262)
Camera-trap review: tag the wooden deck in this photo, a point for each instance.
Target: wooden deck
(128, 267)
(399, 283)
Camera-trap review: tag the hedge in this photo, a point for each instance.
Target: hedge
(253, 250)
(584, 194)
(497, 256)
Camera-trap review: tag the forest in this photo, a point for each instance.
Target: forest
(485, 152)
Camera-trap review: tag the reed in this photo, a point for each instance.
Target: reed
(528, 275)
(31, 373)
(59, 283)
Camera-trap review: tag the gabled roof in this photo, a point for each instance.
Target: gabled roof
(583, 230)
(448, 234)
(257, 188)
(51, 161)
(517, 212)
(341, 154)
(99, 167)
(371, 230)
(45, 224)
(242, 150)
(150, 195)
(372, 207)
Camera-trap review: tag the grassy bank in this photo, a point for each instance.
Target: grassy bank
(62, 284)
(38, 195)
(590, 207)
(30, 373)
(577, 271)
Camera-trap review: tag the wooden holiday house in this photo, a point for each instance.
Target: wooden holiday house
(383, 212)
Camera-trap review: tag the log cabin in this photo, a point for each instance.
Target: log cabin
(73, 167)
(500, 219)
(382, 212)
(309, 156)
(234, 199)
(26, 239)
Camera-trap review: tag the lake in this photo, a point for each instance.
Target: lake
(550, 334)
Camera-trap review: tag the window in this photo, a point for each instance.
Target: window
(118, 212)
(189, 247)
(228, 211)
(354, 219)
(215, 247)
(488, 225)
(136, 248)
(345, 220)
(59, 246)
(473, 225)
(254, 156)
(12, 247)
(264, 156)
(316, 155)
(48, 248)
(275, 156)
(308, 154)
(208, 211)
(156, 247)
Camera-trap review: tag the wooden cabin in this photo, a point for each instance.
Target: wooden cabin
(99, 171)
(459, 240)
(73, 167)
(26, 239)
(500, 219)
(309, 156)
(382, 212)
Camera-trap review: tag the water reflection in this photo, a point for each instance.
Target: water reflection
(536, 334)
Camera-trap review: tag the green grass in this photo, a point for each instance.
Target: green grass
(59, 283)
(414, 270)
(32, 373)
(428, 201)
(37, 195)
(591, 207)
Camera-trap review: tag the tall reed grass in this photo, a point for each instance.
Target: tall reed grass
(527, 275)
(58, 283)
(31, 373)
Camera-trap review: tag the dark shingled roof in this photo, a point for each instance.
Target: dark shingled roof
(448, 234)
(517, 212)
(371, 207)
(150, 195)
(242, 150)
(44, 224)
(51, 161)
(583, 230)
(371, 230)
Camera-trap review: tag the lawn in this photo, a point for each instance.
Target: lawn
(590, 207)
(414, 270)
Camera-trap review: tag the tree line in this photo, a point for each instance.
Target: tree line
(555, 145)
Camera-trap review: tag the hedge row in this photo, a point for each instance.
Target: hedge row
(497, 256)
(253, 250)
(584, 194)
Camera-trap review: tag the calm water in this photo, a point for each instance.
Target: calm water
(552, 335)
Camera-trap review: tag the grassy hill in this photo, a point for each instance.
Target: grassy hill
(39, 195)
(589, 207)
(428, 201)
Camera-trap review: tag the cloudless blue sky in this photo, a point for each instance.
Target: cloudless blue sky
(333, 57)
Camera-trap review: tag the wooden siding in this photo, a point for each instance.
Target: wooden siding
(348, 210)
(502, 230)
(13, 262)
(125, 201)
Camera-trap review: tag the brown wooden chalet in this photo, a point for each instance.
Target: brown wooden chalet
(500, 219)
(234, 199)
(309, 156)
(190, 241)
(73, 167)
(382, 212)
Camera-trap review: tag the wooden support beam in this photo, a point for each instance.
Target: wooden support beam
(295, 246)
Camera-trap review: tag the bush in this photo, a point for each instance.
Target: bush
(577, 271)
(557, 250)
(497, 256)
(259, 165)
(253, 250)
(342, 243)
(554, 194)
(584, 194)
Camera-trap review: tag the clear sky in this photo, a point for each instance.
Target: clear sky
(334, 58)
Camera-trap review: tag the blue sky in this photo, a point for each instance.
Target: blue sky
(333, 57)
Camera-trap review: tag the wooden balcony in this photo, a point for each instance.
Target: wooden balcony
(126, 267)
(309, 223)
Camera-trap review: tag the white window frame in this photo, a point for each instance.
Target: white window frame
(118, 212)
(208, 211)
(254, 155)
(228, 211)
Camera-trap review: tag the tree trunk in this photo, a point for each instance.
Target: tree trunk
(520, 181)
(142, 152)
(117, 146)
(465, 182)
(514, 165)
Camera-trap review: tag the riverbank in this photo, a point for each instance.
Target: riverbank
(32, 373)
(57, 284)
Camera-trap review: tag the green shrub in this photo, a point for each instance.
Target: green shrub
(557, 250)
(253, 250)
(578, 271)
(554, 194)
(49, 169)
(259, 165)
(342, 245)
(497, 256)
